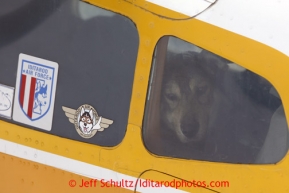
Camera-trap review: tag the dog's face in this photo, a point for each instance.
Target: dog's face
(86, 121)
(187, 97)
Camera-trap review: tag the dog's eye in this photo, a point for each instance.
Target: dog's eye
(83, 119)
(172, 97)
(88, 121)
(202, 90)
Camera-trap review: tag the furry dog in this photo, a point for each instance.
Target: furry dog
(208, 108)
(187, 98)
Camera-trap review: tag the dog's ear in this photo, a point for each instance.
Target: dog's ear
(82, 111)
(91, 113)
(93, 118)
(213, 63)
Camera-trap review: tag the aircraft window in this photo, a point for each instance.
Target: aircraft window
(201, 106)
(95, 49)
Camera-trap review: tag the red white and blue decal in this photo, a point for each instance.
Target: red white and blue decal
(35, 91)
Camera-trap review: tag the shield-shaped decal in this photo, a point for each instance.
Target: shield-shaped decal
(35, 91)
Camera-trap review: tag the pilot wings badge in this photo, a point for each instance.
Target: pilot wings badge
(86, 120)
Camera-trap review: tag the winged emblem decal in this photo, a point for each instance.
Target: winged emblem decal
(86, 120)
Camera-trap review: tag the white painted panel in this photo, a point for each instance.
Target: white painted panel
(186, 7)
(265, 21)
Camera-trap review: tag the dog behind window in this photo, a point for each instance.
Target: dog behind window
(187, 99)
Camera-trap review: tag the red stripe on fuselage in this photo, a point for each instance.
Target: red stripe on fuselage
(22, 89)
(31, 97)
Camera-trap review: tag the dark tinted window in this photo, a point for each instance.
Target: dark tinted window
(202, 106)
(96, 51)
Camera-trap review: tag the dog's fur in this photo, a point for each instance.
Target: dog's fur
(187, 99)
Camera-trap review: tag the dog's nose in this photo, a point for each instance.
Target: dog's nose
(190, 127)
(84, 124)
